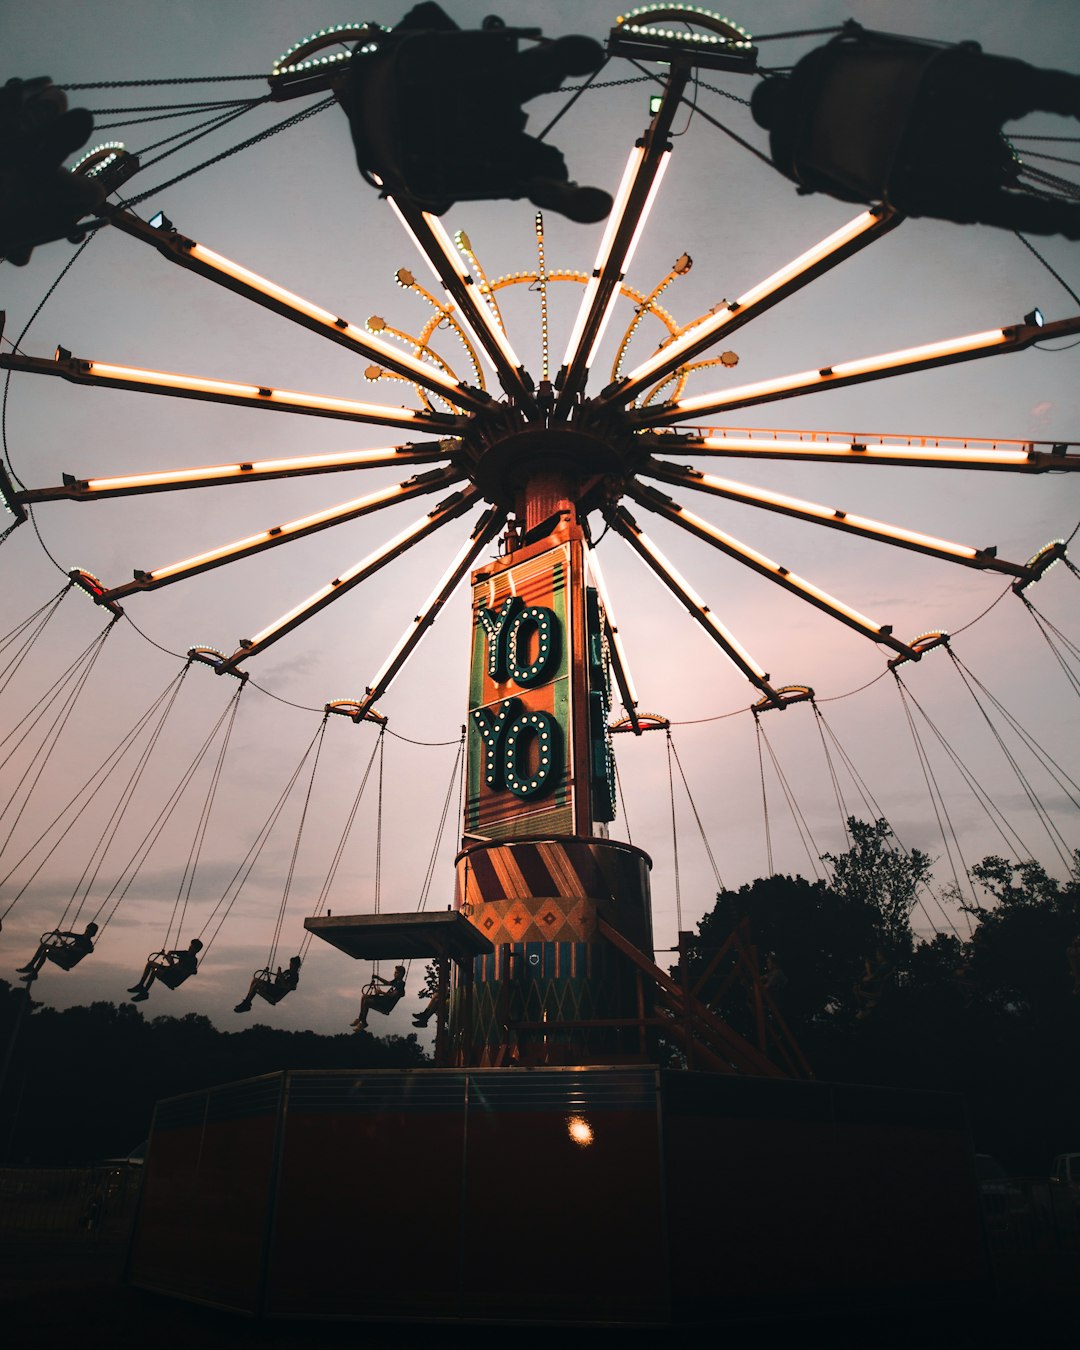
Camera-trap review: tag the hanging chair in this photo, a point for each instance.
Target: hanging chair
(169, 973)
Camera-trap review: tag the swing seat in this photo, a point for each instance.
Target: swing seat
(267, 987)
(66, 957)
(172, 976)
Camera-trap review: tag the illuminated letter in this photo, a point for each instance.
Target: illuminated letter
(521, 670)
(529, 726)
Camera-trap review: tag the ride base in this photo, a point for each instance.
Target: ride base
(622, 1195)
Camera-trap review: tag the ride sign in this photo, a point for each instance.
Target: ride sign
(522, 695)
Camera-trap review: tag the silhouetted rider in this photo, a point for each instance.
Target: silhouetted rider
(39, 200)
(870, 117)
(435, 114)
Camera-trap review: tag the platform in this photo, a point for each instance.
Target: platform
(406, 937)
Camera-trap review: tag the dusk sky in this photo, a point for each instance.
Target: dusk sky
(295, 210)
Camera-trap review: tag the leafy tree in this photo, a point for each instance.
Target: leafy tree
(874, 871)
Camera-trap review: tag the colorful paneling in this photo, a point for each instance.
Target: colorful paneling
(521, 690)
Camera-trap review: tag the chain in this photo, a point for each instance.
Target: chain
(244, 145)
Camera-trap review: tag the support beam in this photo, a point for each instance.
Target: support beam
(985, 559)
(758, 562)
(454, 506)
(224, 272)
(82, 371)
(623, 523)
(418, 486)
(485, 530)
(815, 262)
(913, 452)
(626, 223)
(1011, 338)
(474, 313)
(251, 471)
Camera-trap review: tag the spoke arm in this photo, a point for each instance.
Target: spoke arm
(450, 509)
(1011, 338)
(474, 313)
(623, 523)
(863, 230)
(81, 371)
(416, 486)
(196, 258)
(758, 562)
(486, 529)
(921, 452)
(251, 471)
(984, 558)
(619, 666)
(633, 202)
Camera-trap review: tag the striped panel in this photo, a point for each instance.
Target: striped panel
(505, 888)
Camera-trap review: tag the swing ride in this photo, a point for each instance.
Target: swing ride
(562, 444)
(547, 958)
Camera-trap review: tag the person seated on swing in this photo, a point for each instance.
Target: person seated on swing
(434, 1003)
(273, 988)
(870, 116)
(381, 1003)
(172, 968)
(64, 948)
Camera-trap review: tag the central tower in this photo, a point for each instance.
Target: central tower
(537, 875)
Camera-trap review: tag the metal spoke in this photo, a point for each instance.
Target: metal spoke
(624, 523)
(1014, 337)
(620, 667)
(251, 471)
(485, 530)
(863, 230)
(204, 261)
(454, 506)
(474, 313)
(81, 371)
(633, 201)
(758, 562)
(922, 452)
(417, 486)
(835, 519)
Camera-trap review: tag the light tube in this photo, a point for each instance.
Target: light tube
(716, 323)
(633, 164)
(697, 602)
(613, 627)
(353, 573)
(993, 337)
(726, 487)
(808, 380)
(305, 525)
(737, 445)
(867, 220)
(428, 612)
(583, 313)
(215, 473)
(789, 578)
(370, 345)
(661, 169)
(483, 310)
(225, 388)
(614, 296)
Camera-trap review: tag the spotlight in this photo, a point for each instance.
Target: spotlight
(1035, 318)
(160, 222)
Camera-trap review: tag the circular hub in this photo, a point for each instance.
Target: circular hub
(573, 461)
